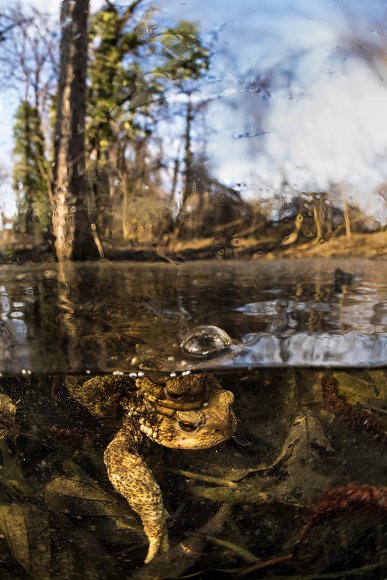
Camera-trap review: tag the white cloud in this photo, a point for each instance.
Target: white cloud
(331, 127)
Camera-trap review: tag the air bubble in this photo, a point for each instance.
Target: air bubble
(206, 341)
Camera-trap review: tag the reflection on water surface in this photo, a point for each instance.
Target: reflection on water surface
(127, 316)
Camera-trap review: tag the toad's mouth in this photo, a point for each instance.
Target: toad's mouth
(163, 406)
(167, 407)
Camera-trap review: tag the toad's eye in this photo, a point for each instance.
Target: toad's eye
(188, 427)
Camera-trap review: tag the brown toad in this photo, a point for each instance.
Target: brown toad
(188, 412)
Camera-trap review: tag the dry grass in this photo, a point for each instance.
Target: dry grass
(364, 245)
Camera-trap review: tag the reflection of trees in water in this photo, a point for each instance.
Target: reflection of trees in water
(9, 330)
(99, 316)
(107, 312)
(68, 299)
(29, 312)
(301, 306)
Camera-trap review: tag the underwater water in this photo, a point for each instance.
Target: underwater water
(307, 463)
(296, 452)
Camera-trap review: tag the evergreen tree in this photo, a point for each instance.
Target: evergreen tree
(111, 87)
(30, 170)
(183, 57)
(133, 69)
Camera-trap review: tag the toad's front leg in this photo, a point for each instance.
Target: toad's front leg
(99, 395)
(133, 479)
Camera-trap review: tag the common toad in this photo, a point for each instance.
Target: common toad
(186, 412)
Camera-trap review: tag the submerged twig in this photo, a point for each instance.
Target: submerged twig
(270, 563)
(202, 477)
(242, 494)
(327, 576)
(177, 560)
(376, 409)
(341, 499)
(242, 552)
(346, 573)
(68, 433)
(334, 501)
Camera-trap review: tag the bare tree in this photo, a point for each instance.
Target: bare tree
(28, 55)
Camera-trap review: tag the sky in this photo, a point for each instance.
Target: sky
(322, 121)
(327, 124)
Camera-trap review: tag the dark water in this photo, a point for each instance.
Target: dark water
(125, 317)
(295, 442)
(61, 518)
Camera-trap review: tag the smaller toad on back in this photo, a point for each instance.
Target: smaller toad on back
(188, 412)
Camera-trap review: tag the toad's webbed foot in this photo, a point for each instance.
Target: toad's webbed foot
(133, 479)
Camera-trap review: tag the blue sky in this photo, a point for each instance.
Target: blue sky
(326, 124)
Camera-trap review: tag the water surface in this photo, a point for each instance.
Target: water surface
(104, 317)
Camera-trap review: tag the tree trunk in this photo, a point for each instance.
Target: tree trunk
(29, 194)
(74, 239)
(176, 169)
(317, 223)
(117, 186)
(347, 221)
(187, 153)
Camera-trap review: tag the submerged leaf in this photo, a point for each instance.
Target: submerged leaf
(13, 526)
(179, 558)
(26, 532)
(78, 554)
(301, 459)
(366, 387)
(83, 496)
(7, 414)
(12, 476)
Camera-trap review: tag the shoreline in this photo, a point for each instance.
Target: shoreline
(371, 245)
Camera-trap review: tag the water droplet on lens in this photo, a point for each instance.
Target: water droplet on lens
(205, 341)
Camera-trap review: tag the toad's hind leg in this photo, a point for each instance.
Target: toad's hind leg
(133, 479)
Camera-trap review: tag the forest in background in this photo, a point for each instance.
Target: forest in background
(110, 146)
